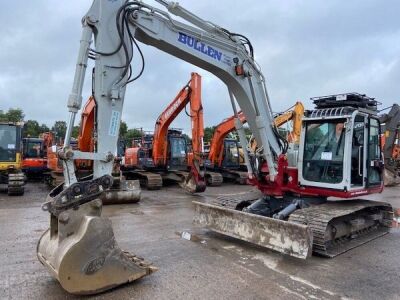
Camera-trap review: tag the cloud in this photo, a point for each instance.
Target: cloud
(305, 49)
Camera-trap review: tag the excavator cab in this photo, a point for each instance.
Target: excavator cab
(34, 162)
(9, 145)
(336, 137)
(231, 155)
(177, 151)
(10, 158)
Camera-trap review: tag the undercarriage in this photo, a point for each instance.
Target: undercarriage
(297, 226)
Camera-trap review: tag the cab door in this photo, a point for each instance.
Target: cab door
(374, 155)
(358, 172)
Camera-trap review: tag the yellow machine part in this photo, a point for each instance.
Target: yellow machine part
(17, 164)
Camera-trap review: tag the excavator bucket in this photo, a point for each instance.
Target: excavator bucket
(390, 178)
(80, 251)
(191, 185)
(123, 192)
(286, 237)
(194, 181)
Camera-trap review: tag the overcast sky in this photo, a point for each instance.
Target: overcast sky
(305, 49)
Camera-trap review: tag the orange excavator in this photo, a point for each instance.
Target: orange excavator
(122, 190)
(167, 157)
(224, 155)
(34, 163)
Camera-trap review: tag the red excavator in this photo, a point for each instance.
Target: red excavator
(34, 163)
(167, 155)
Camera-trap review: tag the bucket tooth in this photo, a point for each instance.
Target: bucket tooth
(80, 251)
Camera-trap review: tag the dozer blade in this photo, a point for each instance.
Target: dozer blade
(286, 237)
(80, 251)
(127, 191)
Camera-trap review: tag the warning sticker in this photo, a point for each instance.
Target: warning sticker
(326, 156)
(114, 123)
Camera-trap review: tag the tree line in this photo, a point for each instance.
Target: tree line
(33, 128)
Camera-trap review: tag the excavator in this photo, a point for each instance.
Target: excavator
(224, 153)
(11, 175)
(391, 144)
(339, 153)
(167, 156)
(122, 190)
(34, 163)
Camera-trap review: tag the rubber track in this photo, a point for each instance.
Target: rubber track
(232, 201)
(318, 218)
(214, 179)
(153, 180)
(16, 182)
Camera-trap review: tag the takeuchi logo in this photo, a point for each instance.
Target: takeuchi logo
(199, 46)
(170, 110)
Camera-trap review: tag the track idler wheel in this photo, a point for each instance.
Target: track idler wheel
(80, 251)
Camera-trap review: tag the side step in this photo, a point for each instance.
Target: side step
(282, 236)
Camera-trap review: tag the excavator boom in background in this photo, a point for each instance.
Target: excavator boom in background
(122, 190)
(339, 153)
(391, 144)
(224, 155)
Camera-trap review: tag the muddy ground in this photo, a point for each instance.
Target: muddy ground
(210, 266)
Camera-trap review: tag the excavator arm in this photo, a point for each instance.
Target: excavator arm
(85, 138)
(294, 114)
(391, 122)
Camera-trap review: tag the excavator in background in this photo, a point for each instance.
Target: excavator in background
(391, 144)
(224, 155)
(34, 163)
(55, 176)
(167, 156)
(11, 175)
(339, 153)
(294, 114)
(122, 190)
